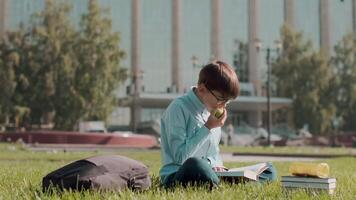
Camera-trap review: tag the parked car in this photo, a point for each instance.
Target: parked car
(92, 127)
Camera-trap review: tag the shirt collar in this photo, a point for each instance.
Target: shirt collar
(198, 104)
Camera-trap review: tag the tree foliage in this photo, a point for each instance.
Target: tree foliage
(53, 68)
(304, 75)
(343, 89)
(9, 61)
(15, 80)
(97, 71)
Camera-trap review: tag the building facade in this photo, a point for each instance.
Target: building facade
(167, 41)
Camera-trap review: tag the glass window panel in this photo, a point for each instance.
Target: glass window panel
(340, 19)
(195, 38)
(234, 23)
(156, 44)
(120, 13)
(307, 20)
(270, 21)
(21, 12)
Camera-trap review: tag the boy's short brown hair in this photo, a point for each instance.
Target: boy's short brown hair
(220, 76)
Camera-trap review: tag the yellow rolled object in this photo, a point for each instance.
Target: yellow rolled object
(320, 170)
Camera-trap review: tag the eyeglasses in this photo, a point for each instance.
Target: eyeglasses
(218, 99)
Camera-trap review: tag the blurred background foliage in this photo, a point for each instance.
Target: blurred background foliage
(60, 72)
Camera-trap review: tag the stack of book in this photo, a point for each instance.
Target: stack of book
(326, 184)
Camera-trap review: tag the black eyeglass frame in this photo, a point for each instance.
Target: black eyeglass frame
(219, 100)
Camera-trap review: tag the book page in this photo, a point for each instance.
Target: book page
(258, 168)
(238, 174)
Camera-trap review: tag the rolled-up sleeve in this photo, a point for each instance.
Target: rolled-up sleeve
(215, 160)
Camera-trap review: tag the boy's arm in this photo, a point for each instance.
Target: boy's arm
(180, 144)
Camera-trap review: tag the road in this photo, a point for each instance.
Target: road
(228, 157)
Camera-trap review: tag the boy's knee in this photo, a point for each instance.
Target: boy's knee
(199, 170)
(192, 161)
(197, 163)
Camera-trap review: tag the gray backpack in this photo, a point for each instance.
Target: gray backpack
(100, 172)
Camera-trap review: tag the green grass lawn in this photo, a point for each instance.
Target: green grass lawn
(21, 174)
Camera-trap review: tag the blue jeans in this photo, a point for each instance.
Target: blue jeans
(270, 174)
(194, 171)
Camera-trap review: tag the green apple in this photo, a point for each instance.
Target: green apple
(218, 112)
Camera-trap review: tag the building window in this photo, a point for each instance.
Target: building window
(237, 119)
(151, 114)
(240, 60)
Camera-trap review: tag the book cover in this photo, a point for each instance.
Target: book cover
(330, 191)
(309, 185)
(308, 179)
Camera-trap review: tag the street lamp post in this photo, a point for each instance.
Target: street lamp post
(195, 61)
(336, 122)
(135, 89)
(268, 51)
(269, 113)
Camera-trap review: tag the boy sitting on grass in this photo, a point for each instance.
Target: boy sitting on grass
(190, 132)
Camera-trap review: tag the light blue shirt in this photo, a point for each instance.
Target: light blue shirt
(183, 134)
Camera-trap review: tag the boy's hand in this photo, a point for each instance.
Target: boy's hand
(220, 169)
(214, 122)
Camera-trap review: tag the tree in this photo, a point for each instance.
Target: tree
(48, 60)
(14, 80)
(97, 74)
(54, 39)
(53, 69)
(9, 60)
(304, 75)
(343, 89)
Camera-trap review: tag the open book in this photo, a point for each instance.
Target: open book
(247, 173)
